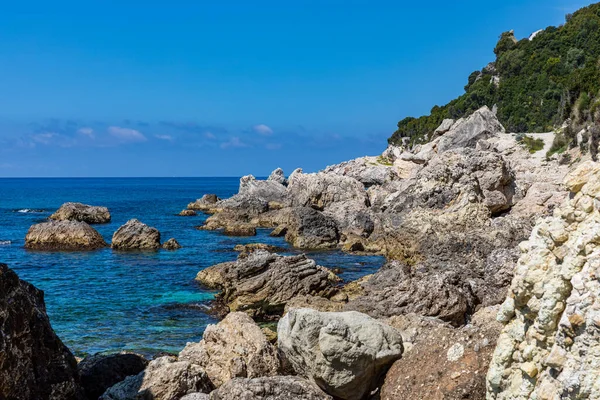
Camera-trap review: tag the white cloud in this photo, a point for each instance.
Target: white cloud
(164, 137)
(210, 135)
(263, 129)
(44, 138)
(233, 142)
(127, 134)
(89, 132)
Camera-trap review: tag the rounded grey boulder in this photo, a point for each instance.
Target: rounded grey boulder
(135, 235)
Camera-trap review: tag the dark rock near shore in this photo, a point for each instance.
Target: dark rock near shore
(34, 363)
(270, 388)
(99, 372)
(187, 213)
(307, 228)
(63, 235)
(82, 212)
(135, 235)
(171, 244)
(261, 283)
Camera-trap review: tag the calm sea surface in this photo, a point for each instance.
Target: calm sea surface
(146, 302)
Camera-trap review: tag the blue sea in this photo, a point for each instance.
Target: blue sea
(107, 301)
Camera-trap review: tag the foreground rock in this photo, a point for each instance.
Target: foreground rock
(261, 283)
(135, 235)
(549, 348)
(63, 235)
(34, 363)
(82, 212)
(272, 388)
(343, 353)
(99, 372)
(165, 378)
(440, 361)
(235, 347)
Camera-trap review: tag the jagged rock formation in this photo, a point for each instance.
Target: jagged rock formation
(165, 378)
(235, 347)
(261, 283)
(135, 235)
(343, 353)
(63, 235)
(34, 363)
(271, 388)
(83, 213)
(99, 372)
(278, 176)
(549, 348)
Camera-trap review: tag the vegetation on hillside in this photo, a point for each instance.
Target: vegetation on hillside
(535, 84)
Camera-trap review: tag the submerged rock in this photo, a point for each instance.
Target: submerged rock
(261, 283)
(235, 347)
(63, 235)
(343, 353)
(101, 371)
(135, 235)
(165, 378)
(270, 388)
(82, 212)
(171, 244)
(34, 363)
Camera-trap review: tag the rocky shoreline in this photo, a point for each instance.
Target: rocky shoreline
(463, 221)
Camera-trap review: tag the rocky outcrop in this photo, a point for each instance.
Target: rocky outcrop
(278, 176)
(83, 213)
(34, 363)
(234, 348)
(63, 235)
(268, 191)
(321, 190)
(367, 170)
(549, 347)
(261, 283)
(440, 361)
(205, 203)
(343, 353)
(466, 132)
(307, 228)
(165, 378)
(171, 244)
(135, 235)
(239, 229)
(271, 388)
(100, 372)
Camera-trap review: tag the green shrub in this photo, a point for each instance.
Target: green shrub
(531, 144)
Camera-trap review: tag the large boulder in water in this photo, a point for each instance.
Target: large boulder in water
(269, 388)
(165, 378)
(261, 283)
(101, 371)
(34, 363)
(135, 235)
(82, 212)
(63, 235)
(235, 347)
(344, 353)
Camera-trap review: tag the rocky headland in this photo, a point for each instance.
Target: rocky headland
(491, 271)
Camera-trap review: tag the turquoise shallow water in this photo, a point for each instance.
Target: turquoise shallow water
(146, 302)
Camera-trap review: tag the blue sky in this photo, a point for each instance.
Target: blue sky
(206, 88)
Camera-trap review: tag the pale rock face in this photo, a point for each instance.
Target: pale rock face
(482, 124)
(321, 190)
(165, 378)
(235, 347)
(267, 191)
(549, 347)
(269, 388)
(343, 353)
(278, 176)
(444, 126)
(367, 170)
